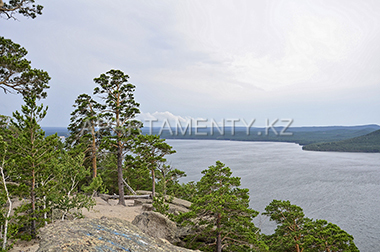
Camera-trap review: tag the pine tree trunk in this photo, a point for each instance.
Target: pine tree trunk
(153, 184)
(298, 248)
(33, 199)
(120, 174)
(218, 237)
(94, 168)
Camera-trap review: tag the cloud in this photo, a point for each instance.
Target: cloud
(166, 119)
(160, 117)
(209, 59)
(293, 46)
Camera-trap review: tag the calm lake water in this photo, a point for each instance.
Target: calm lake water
(342, 188)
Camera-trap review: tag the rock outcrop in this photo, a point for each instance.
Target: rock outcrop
(156, 225)
(105, 234)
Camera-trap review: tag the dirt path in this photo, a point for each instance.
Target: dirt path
(112, 209)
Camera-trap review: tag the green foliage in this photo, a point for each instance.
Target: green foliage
(150, 151)
(96, 185)
(220, 214)
(108, 172)
(290, 220)
(295, 232)
(32, 153)
(27, 8)
(186, 191)
(160, 206)
(4, 127)
(85, 134)
(69, 171)
(137, 174)
(43, 171)
(16, 74)
(168, 177)
(118, 113)
(324, 236)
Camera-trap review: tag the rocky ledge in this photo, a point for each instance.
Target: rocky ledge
(104, 234)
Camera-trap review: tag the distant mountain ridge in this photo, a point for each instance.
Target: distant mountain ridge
(299, 135)
(313, 138)
(367, 143)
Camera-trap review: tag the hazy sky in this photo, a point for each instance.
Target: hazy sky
(316, 62)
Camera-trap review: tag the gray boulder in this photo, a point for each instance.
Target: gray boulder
(156, 225)
(180, 202)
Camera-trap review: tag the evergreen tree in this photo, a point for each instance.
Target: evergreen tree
(119, 111)
(42, 170)
(84, 129)
(16, 74)
(289, 233)
(32, 154)
(297, 233)
(27, 8)
(150, 150)
(324, 236)
(220, 214)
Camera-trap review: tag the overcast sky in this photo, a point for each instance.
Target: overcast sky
(316, 62)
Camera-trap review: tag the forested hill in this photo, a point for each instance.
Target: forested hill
(299, 135)
(367, 143)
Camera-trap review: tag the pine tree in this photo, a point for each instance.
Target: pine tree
(325, 236)
(220, 214)
(297, 233)
(16, 73)
(32, 154)
(84, 129)
(151, 150)
(120, 110)
(27, 8)
(290, 219)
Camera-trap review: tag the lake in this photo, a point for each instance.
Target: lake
(342, 188)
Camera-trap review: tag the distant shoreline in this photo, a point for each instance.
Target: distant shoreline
(314, 138)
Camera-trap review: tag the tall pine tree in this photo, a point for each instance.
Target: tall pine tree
(120, 110)
(32, 154)
(84, 129)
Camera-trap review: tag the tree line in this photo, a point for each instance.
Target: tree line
(365, 143)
